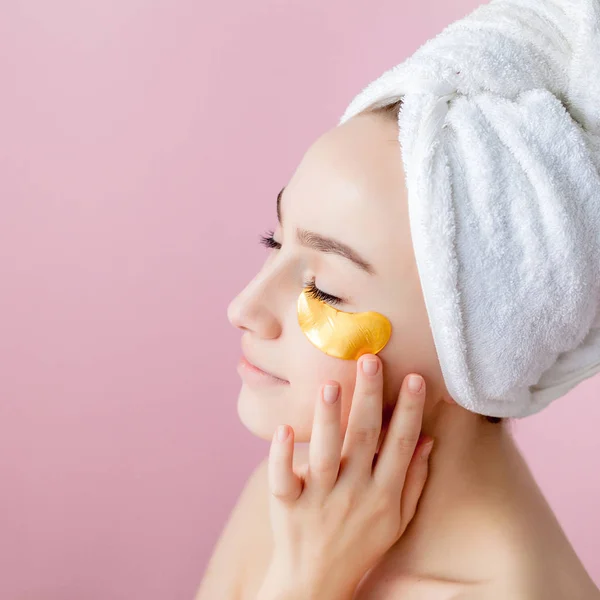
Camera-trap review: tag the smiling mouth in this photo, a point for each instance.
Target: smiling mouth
(253, 373)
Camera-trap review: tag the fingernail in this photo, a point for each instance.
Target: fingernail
(282, 433)
(427, 450)
(370, 365)
(330, 393)
(414, 383)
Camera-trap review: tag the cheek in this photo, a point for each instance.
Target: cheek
(314, 368)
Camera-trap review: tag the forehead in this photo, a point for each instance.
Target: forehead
(350, 186)
(360, 157)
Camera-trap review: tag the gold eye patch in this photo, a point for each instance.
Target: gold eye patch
(341, 334)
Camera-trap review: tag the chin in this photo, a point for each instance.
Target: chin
(256, 412)
(262, 410)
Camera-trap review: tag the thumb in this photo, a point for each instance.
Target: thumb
(284, 483)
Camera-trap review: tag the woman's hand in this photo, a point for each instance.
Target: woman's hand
(334, 521)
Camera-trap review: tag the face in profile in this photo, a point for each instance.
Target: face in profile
(342, 237)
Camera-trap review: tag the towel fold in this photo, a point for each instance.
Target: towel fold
(500, 137)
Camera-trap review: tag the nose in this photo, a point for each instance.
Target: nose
(249, 311)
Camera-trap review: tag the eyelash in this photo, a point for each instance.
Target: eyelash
(313, 290)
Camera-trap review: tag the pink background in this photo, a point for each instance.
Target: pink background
(142, 147)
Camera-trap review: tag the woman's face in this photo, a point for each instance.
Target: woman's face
(348, 188)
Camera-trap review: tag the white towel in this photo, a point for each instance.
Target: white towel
(500, 138)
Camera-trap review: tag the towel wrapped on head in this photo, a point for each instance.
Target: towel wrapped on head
(500, 137)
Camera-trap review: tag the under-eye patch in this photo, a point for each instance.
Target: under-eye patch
(342, 334)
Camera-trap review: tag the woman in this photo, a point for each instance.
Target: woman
(468, 254)
(482, 528)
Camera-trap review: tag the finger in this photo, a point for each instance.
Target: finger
(401, 439)
(325, 444)
(364, 422)
(284, 484)
(414, 483)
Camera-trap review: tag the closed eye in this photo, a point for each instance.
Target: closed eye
(315, 292)
(268, 241)
(312, 289)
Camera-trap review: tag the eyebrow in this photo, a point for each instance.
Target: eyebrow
(310, 239)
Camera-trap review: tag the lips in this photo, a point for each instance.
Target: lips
(261, 368)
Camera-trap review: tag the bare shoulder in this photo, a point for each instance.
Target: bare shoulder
(243, 550)
(513, 588)
(222, 578)
(531, 590)
(491, 566)
(534, 583)
(534, 575)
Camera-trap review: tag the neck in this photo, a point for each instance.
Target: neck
(473, 470)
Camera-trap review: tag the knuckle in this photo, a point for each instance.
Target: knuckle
(324, 465)
(363, 435)
(346, 504)
(412, 403)
(280, 494)
(383, 504)
(406, 443)
(369, 388)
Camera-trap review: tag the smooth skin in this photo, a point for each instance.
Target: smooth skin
(483, 528)
(333, 520)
